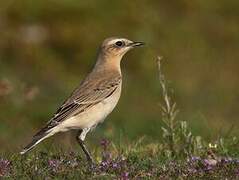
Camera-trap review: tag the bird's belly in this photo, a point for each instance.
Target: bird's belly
(92, 116)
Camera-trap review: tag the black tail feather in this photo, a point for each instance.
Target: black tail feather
(36, 139)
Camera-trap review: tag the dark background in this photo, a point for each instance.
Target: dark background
(48, 46)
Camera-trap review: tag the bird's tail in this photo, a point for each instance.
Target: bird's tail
(36, 140)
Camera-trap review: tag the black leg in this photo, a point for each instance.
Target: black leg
(82, 144)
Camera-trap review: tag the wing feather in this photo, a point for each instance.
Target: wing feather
(87, 95)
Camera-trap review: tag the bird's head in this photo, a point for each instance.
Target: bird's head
(117, 47)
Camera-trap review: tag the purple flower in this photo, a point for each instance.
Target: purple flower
(230, 160)
(4, 167)
(54, 164)
(237, 172)
(104, 143)
(125, 176)
(106, 155)
(210, 162)
(195, 158)
(208, 168)
(115, 165)
(104, 165)
(227, 160)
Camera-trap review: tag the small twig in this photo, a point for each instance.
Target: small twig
(163, 85)
(168, 108)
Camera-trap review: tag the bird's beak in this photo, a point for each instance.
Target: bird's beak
(134, 44)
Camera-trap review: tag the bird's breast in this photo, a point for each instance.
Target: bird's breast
(104, 108)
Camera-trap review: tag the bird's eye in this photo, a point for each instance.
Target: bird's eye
(119, 43)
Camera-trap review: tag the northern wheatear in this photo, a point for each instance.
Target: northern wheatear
(93, 100)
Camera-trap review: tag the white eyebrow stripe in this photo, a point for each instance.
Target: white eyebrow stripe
(115, 40)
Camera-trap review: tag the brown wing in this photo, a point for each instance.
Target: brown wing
(88, 94)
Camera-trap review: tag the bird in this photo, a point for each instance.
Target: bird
(93, 100)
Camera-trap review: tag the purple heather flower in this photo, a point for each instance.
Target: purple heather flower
(125, 176)
(228, 160)
(104, 163)
(208, 167)
(210, 162)
(224, 160)
(4, 167)
(237, 172)
(54, 164)
(104, 143)
(115, 165)
(195, 158)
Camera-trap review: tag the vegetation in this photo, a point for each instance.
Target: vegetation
(138, 160)
(181, 155)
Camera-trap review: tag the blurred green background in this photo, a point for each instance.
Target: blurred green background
(48, 46)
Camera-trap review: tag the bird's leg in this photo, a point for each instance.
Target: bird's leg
(80, 139)
(88, 156)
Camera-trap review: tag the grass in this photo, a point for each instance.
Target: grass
(180, 155)
(136, 160)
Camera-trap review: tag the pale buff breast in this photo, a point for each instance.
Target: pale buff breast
(91, 117)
